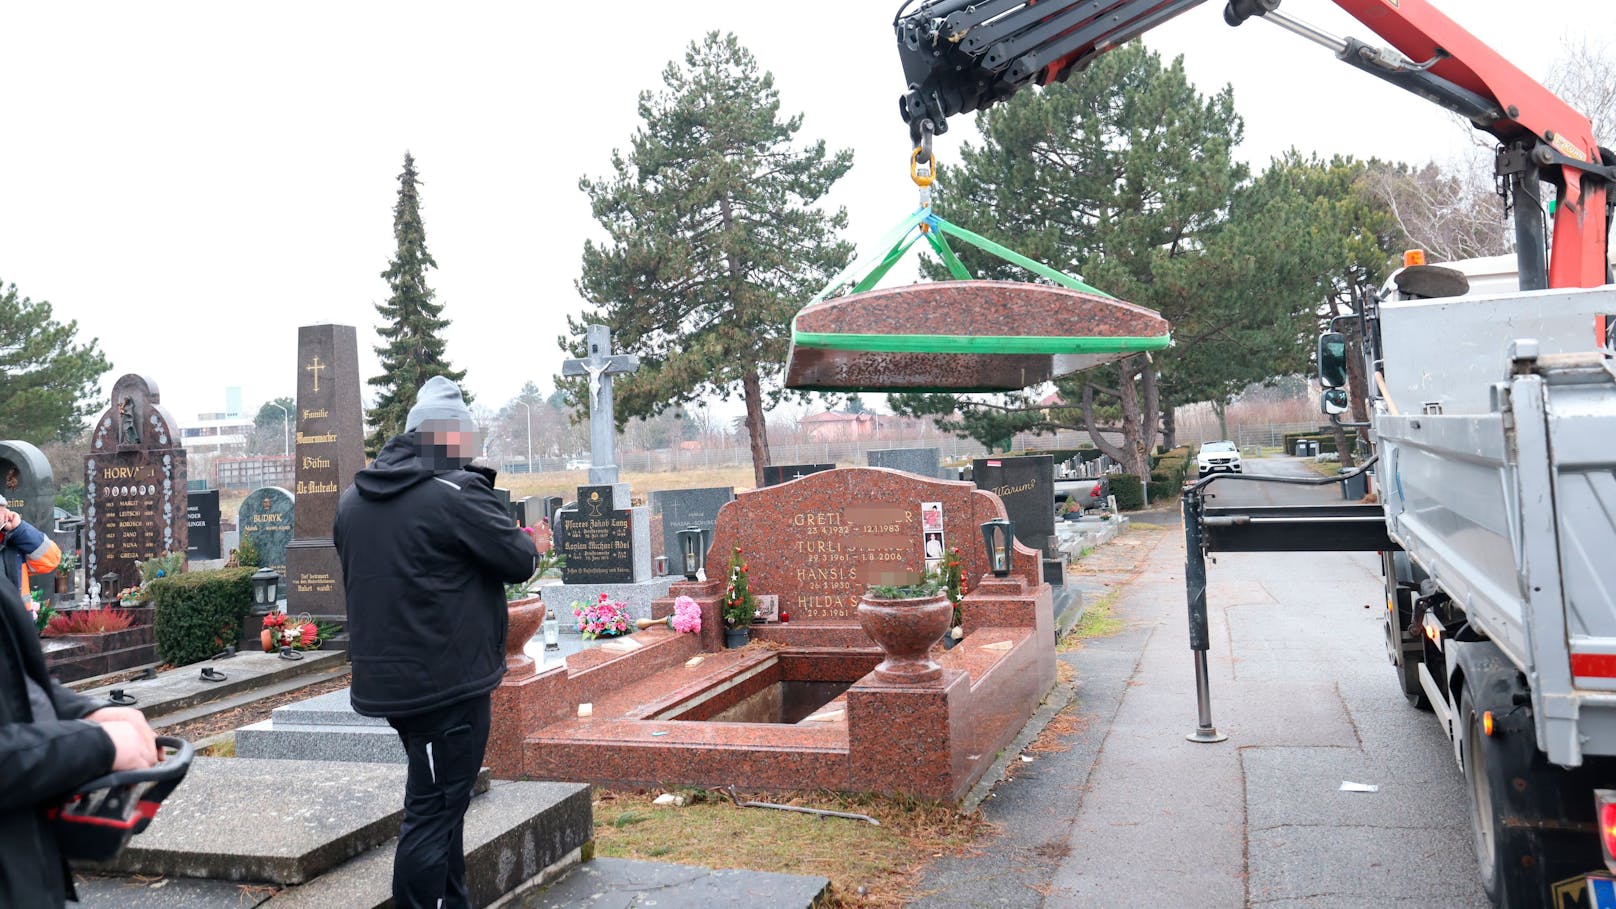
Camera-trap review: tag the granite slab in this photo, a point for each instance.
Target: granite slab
(176, 689)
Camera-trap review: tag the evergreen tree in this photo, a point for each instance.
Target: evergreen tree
(412, 321)
(714, 240)
(49, 384)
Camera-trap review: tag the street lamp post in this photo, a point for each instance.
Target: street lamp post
(286, 427)
(529, 408)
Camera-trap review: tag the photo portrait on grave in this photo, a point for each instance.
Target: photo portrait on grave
(427, 548)
(52, 740)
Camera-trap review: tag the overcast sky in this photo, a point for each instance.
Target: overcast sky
(192, 181)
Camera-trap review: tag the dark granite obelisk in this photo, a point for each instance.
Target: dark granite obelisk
(330, 450)
(134, 484)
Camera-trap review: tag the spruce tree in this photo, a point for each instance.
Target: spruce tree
(49, 383)
(714, 239)
(412, 321)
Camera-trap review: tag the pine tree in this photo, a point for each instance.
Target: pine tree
(412, 321)
(739, 604)
(49, 384)
(714, 240)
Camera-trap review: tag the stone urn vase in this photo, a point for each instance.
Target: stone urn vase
(906, 629)
(525, 616)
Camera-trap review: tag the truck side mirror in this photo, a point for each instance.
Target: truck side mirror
(1334, 401)
(1332, 359)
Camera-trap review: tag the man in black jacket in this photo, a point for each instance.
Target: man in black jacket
(52, 740)
(426, 552)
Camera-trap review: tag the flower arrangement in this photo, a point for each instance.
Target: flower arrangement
(954, 587)
(603, 618)
(739, 605)
(87, 621)
(686, 618)
(42, 612)
(928, 584)
(68, 564)
(301, 633)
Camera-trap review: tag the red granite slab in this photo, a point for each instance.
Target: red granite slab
(981, 309)
(945, 319)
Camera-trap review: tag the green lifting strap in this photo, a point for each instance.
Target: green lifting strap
(925, 223)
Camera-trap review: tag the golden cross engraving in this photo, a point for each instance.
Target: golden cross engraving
(315, 368)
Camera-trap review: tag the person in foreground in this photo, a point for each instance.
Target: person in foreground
(426, 550)
(52, 740)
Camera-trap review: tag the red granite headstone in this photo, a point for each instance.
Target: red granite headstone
(820, 541)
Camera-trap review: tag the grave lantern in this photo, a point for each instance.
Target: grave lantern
(266, 584)
(690, 544)
(552, 632)
(109, 586)
(999, 535)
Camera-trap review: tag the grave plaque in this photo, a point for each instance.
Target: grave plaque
(681, 508)
(265, 518)
(597, 540)
(1027, 486)
(28, 486)
(330, 442)
(774, 475)
(924, 462)
(202, 523)
(134, 479)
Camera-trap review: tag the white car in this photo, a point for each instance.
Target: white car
(1216, 456)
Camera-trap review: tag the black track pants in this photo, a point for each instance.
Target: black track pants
(445, 749)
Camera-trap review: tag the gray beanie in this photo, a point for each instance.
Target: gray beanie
(439, 401)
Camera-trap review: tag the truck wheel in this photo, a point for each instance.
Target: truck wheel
(1503, 852)
(1397, 619)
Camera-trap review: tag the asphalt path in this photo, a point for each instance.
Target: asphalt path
(1132, 814)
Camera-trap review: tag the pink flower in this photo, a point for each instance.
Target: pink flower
(686, 615)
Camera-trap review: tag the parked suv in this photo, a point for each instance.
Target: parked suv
(1216, 456)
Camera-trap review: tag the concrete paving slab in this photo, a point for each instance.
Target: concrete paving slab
(281, 741)
(606, 883)
(513, 833)
(1363, 866)
(97, 892)
(280, 822)
(1296, 787)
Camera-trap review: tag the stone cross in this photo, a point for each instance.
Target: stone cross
(600, 366)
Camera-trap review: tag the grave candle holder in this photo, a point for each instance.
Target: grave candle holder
(999, 536)
(266, 584)
(552, 633)
(109, 585)
(690, 545)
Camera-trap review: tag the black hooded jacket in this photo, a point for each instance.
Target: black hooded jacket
(41, 760)
(426, 552)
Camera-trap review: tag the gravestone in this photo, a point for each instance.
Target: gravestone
(681, 508)
(604, 537)
(774, 475)
(1027, 486)
(330, 439)
(134, 483)
(597, 540)
(29, 488)
(924, 462)
(819, 543)
(202, 525)
(266, 518)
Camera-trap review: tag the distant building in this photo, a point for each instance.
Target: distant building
(840, 426)
(216, 432)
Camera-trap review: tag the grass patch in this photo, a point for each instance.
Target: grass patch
(1322, 468)
(868, 866)
(1098, 621)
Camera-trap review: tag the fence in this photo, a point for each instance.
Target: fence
(251, 473)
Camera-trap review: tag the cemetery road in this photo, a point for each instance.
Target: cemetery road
(1130, 813)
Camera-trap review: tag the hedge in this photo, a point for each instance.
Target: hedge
(197, 613)
(1130, 495)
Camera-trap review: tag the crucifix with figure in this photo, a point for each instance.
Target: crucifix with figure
(601, 366)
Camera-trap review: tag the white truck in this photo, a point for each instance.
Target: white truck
(1497, 472)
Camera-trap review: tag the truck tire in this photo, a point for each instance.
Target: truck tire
(1500, 848)
(1398, 616)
